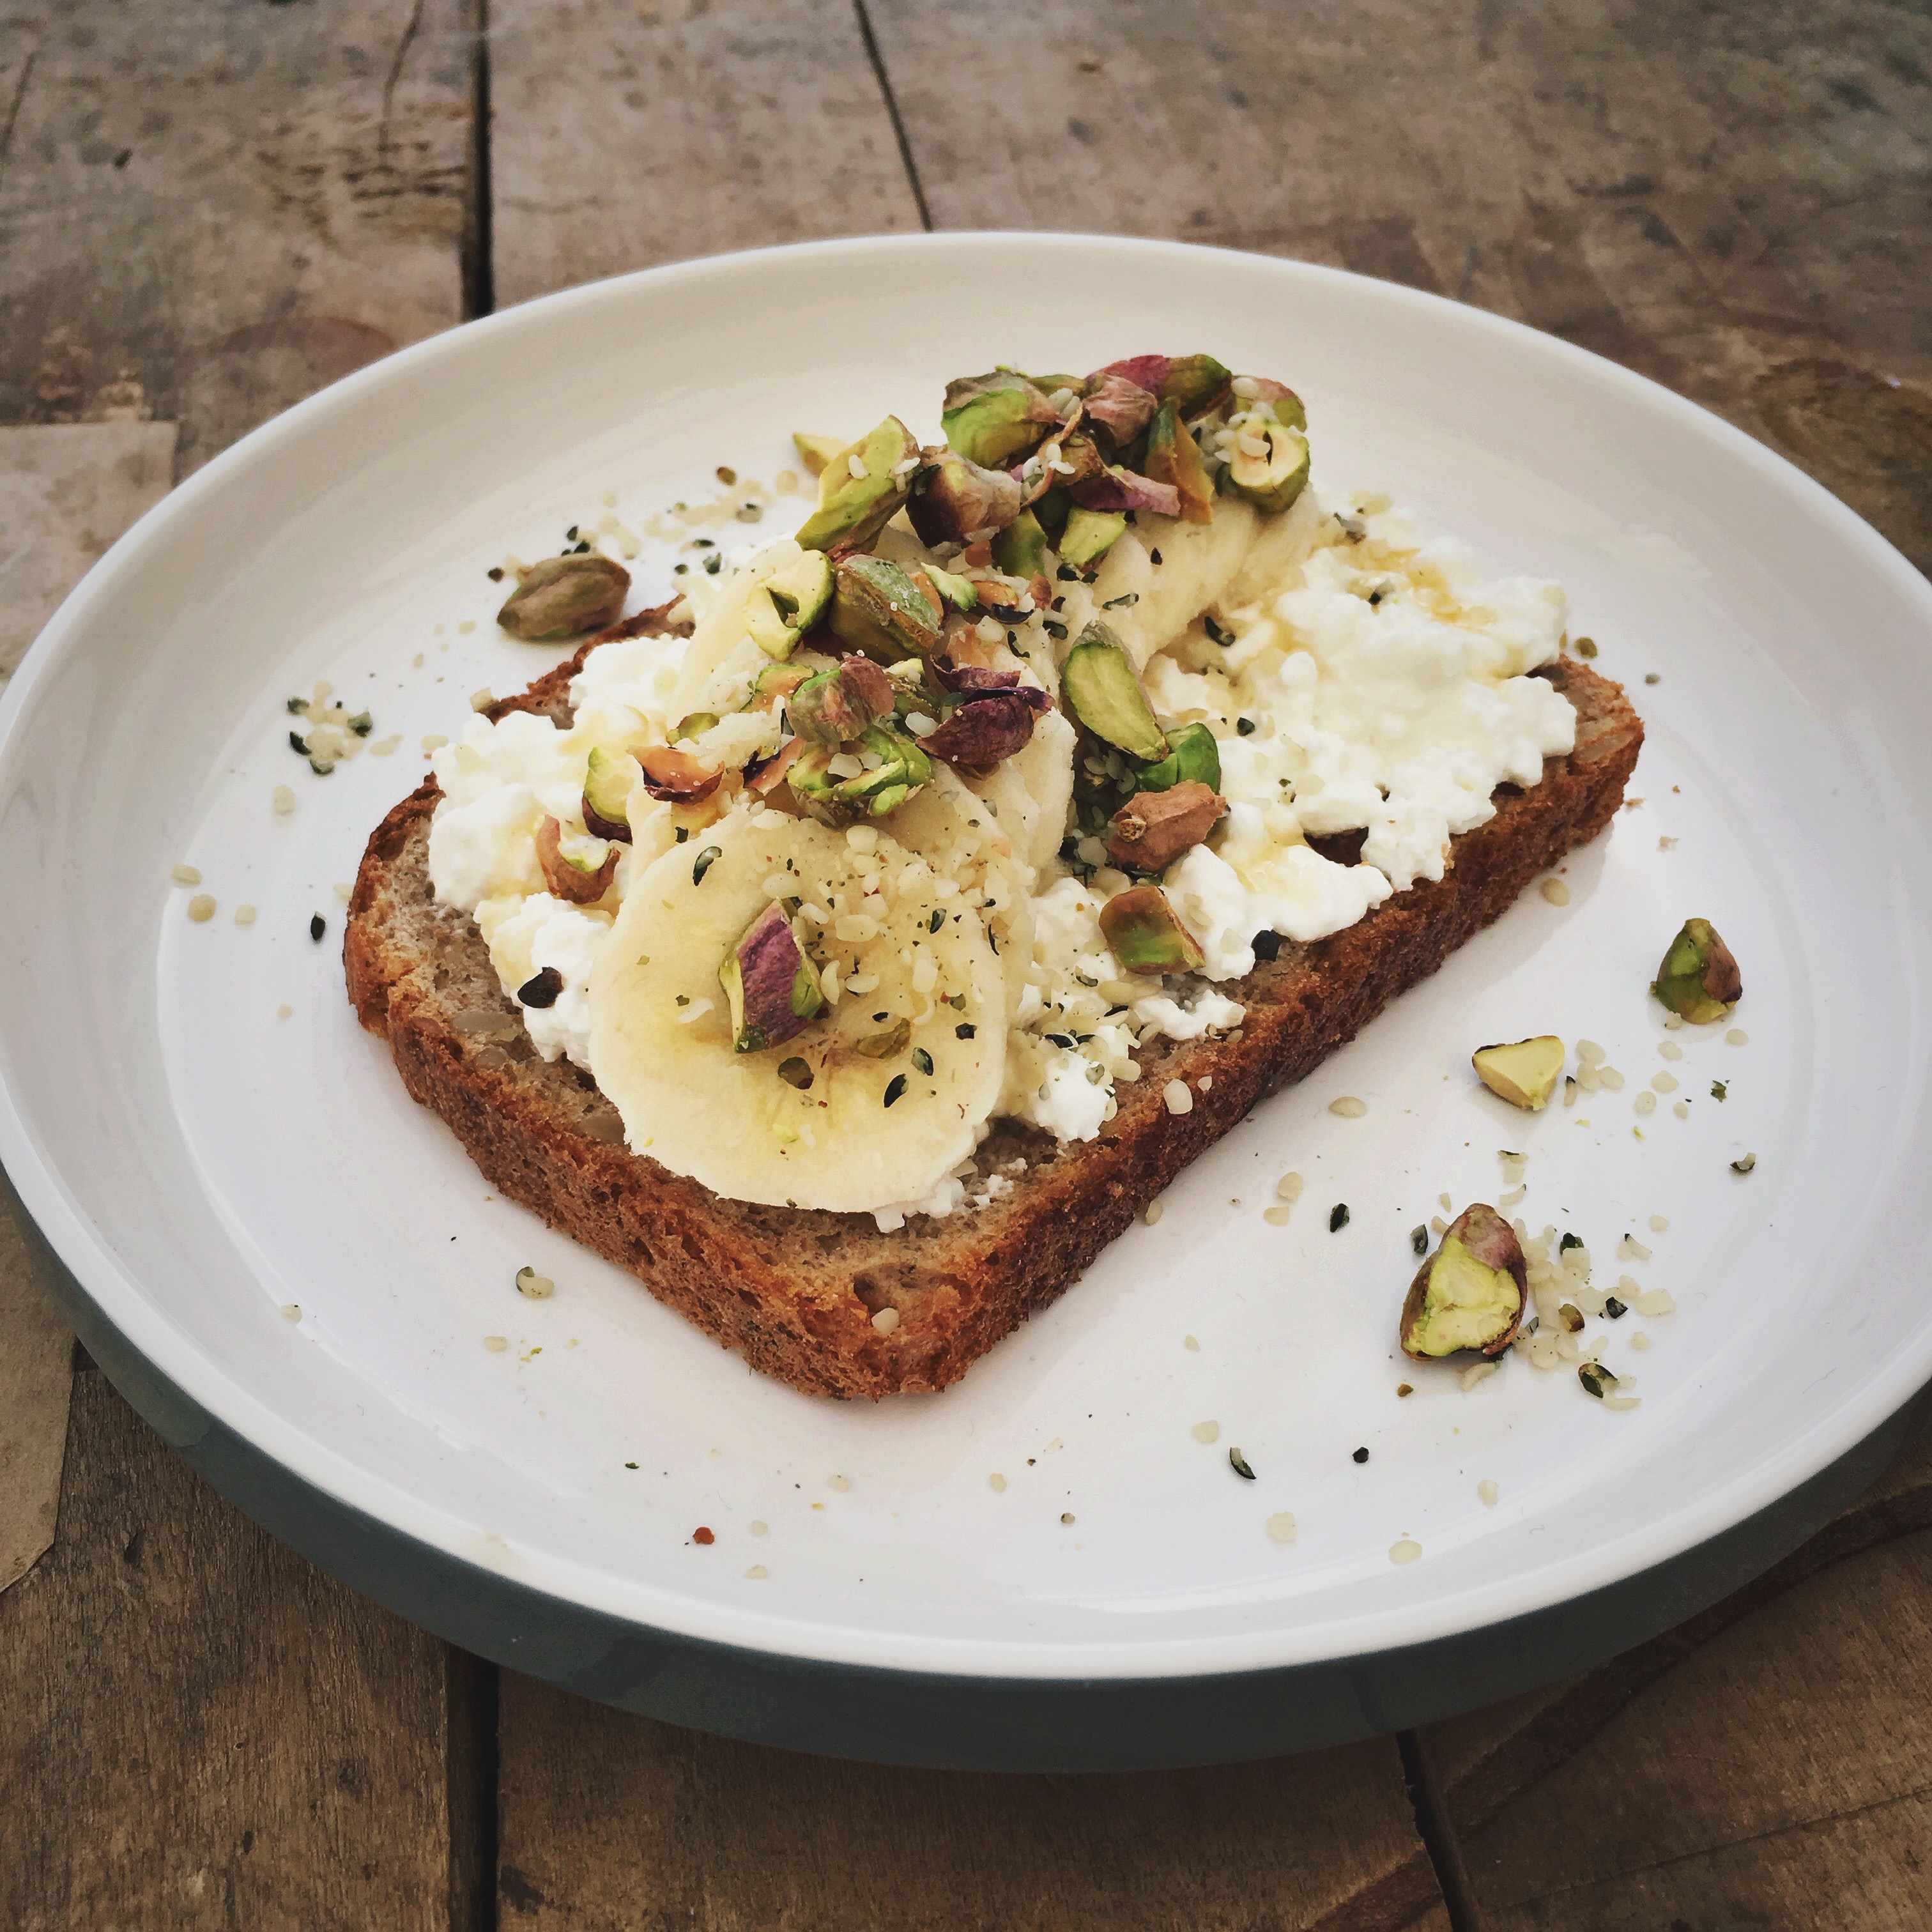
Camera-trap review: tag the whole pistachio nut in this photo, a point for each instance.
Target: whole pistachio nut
(563, 596)
(997, 419)
(773, 990)
(888, 610)
(1146, 934)
(1698, 979)
(1153, 828)
(1173, 457)
(581, 877)
(839, 704)
(952, 500)
(989, 727)
(1524, 1072)
(855, 503)
(1470, 1293)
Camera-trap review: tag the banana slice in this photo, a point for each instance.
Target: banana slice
(722, 655)
(879, 1098)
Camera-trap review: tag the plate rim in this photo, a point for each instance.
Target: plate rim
(172, 1350)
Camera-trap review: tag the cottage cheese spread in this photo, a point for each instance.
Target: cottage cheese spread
(1354, 677)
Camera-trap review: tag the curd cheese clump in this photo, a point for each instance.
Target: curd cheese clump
(1355, 678)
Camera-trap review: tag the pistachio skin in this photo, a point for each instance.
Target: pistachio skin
(564, 596)
(672, 777)
(1478, 1235)
(1173, 457)
(1698, 979)
(989, 727)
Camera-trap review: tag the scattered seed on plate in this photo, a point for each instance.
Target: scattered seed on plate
(1153, 1211)
(1188, 1342)
(1276, 1216)
(534, 1286)
(757, 1574)
(1288, 1187)
(1067, 1516)
(186, 875)
(1658, 1225)
(1207, 1432)
(1682, 1108)
(244, 915)
(283, 798)
(1348, 1107)
(1558, 894)
(1405, 1388)
(1737, 1036)
(291, 1310)
(1360, 1456)
(1406, 1550)
(1280, 1527)
(201, 907)
(996, 1481)
(1743, 1163)
(841, 1484)
(1670, 1049)
(496, 1344)
(317, 926)
(283, 1012)
(1476, 1371)
(1238, 1463)
(1338, 1216)
(1488, 1491)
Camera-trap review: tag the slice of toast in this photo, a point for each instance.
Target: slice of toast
(796, 1291)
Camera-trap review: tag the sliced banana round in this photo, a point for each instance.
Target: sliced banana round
(877, 1099)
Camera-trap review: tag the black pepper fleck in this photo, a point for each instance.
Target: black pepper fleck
(317, 926)
(1338, 1217)
(1361, 1455)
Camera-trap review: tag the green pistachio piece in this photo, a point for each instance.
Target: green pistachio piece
(870, 793)
(1089, 534)
(1146, 934)
(1470, 1293)
(1173, 457)
(782, 609)
(1698, 979)
(816, 452)
(607, 779)
(1020, 549)
(693, 724)
(886, 610)
(1194, 384)
(996, 419)
(1099, 687)
(1271, 481)
(957, 591)
(1524, 1072)
(564, 595)
(853, 507)
(1193, 755)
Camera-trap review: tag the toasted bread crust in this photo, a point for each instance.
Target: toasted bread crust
(795, 1291)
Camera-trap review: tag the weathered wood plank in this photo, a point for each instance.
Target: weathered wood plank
(36, 1357)
(207, 211)
(611, 1821)
(622, 137)
(198, 1730)
(1728, 199)
(1720, 1774)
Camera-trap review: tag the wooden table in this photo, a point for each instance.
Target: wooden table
(207, 211)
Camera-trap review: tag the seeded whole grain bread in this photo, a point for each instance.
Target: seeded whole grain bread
(795, 1291)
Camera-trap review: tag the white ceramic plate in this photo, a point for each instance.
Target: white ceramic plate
(198, 1163)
